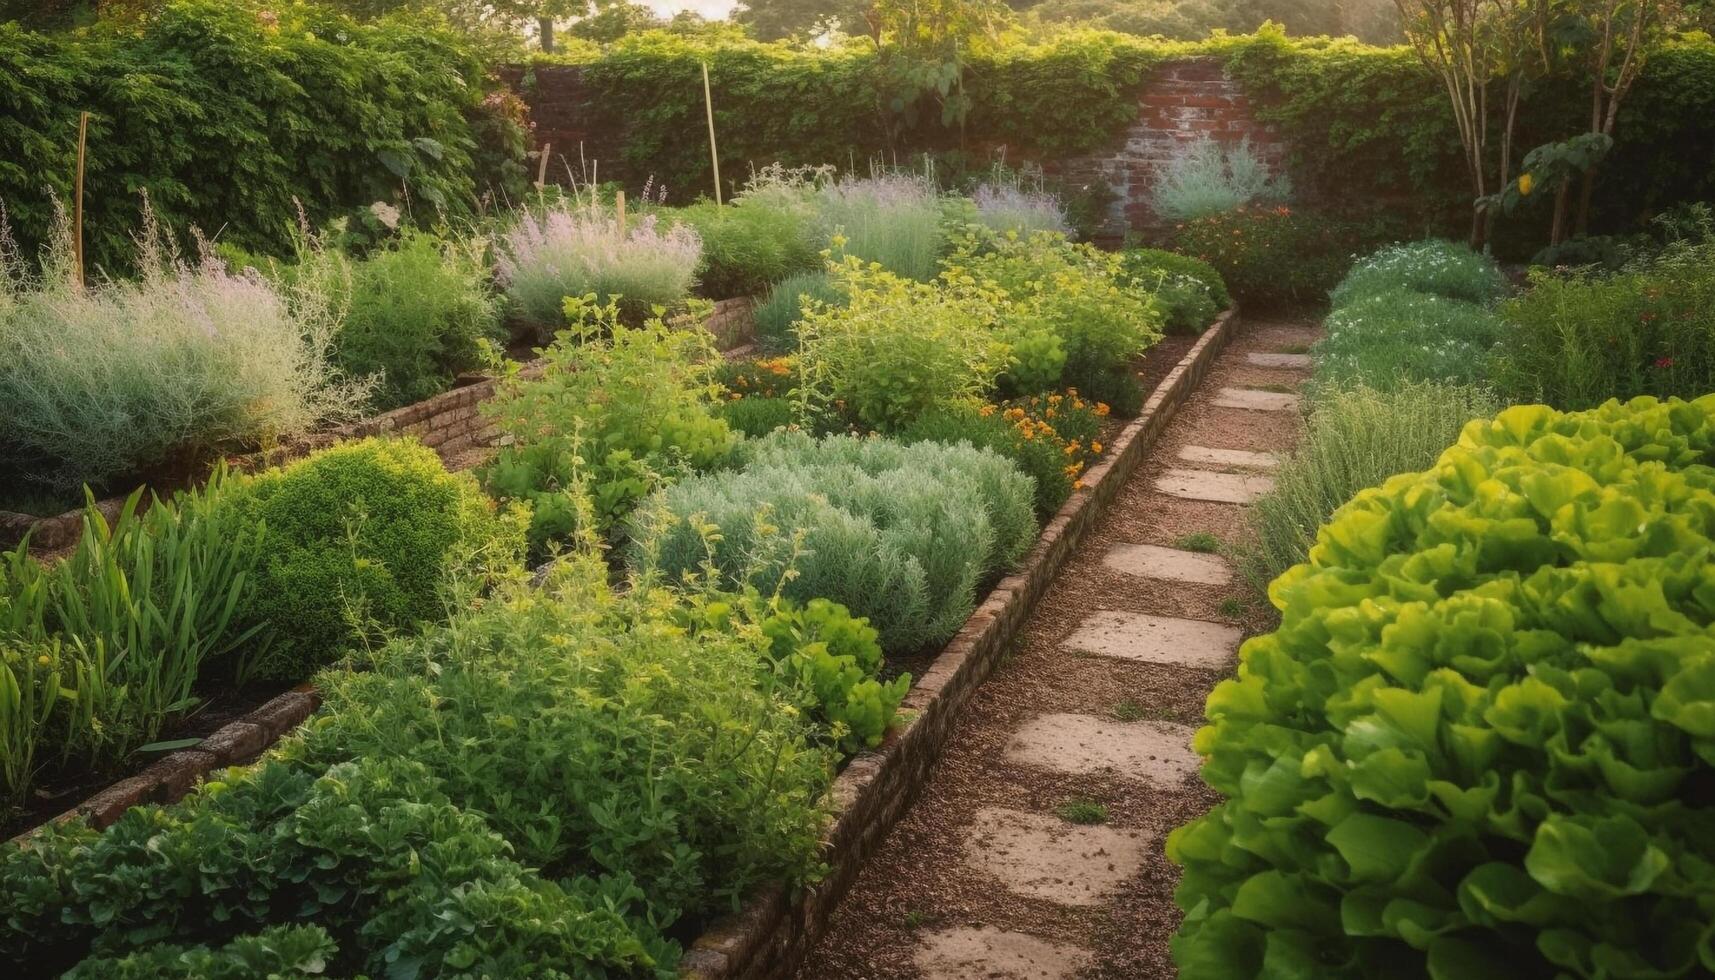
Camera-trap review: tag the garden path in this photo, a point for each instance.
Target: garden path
(985, 879)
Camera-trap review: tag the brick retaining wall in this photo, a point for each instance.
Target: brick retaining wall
(451, 423)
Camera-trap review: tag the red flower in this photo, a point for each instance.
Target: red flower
(1664, 362)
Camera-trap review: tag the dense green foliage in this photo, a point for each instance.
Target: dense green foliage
(1576, 339)
(417, 313)
(1436, 268)
(1480, 742)
(1354, 438)
(833, 660)
(749, 246)
(612, 417)
(1418, 312)
(898, 347)
(1188, 291)
(1273, 256)
(543, 787)
(778, 314)
(358, 542)
(1049, 438)
(1070, 310)
(227, 115)
(901, 535)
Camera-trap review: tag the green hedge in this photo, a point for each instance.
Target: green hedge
(225, 113)
(1368, 126)
(1480, 744)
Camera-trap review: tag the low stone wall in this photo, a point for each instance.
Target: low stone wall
(771, 936)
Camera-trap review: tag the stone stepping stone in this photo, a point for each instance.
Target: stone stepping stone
(1220, 488)
(1255, 399)
(1272, 360)
(1155, 752)
(1040, 856)
(993, 954)
(1244, 458)
(1157, 639)
(1151, 561)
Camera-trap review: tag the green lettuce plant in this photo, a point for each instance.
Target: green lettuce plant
(1481, 741)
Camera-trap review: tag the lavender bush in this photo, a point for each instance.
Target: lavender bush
(579, 248)
(1007, 205)
(116, 378)
(891, 218)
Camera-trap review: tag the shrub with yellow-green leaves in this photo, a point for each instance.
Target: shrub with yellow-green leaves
(1482, 741)
(358, 540)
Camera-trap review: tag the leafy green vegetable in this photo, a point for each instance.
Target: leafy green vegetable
(1481, 741)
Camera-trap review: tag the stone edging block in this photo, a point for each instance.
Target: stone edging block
(775, 931)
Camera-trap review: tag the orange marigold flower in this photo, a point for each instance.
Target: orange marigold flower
(1102, 408)
(1096, 447)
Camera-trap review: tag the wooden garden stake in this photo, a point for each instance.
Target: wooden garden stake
(77, 200)
(619, 210)
(542, 167)
(714, 156)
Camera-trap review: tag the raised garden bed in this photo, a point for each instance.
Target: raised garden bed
(450, 423)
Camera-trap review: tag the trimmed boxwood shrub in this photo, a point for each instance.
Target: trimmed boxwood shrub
(367, 530)
(1482, 741)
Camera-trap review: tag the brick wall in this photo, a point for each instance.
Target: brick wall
(1181, 102)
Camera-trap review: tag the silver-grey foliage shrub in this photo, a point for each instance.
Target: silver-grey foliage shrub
(903, 535)
(114, 377)
(578, 248)
(1205, 178)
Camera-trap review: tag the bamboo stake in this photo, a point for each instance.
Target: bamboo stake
(714, 155)
(619, 211)
(542, 167)
(77, 203)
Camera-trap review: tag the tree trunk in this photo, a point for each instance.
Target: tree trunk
(545, 28)
(1585, 193)
(1557, 232)
(1478, 226)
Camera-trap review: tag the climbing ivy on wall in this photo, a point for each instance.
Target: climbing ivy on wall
(227, 113)
(1369, 128)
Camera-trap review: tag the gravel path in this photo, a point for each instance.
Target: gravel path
(986, 879)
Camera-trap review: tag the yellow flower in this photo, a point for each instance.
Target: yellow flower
(1096, 447)
(1525, 183)
(43, 660)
